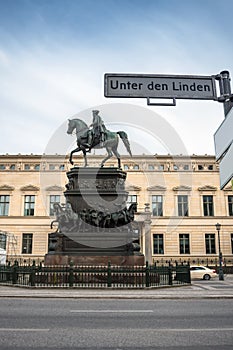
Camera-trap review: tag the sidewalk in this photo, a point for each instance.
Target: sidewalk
(198, 289)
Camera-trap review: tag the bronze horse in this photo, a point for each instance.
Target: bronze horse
(111, 142)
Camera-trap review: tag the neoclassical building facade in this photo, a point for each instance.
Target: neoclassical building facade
(179, 203)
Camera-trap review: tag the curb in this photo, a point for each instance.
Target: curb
(159, 297)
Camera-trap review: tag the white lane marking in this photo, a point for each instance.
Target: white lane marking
(157, 329)
(194, 329)
(112, 311)
(24, 329)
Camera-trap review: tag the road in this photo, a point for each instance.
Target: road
(116, 324)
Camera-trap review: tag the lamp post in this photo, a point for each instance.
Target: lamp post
(221, 275)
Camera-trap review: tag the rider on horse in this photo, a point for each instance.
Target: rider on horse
(98, 130)
(97, 137)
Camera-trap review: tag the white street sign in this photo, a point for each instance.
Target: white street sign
(223, 137)
(226, 168)
(160, 86)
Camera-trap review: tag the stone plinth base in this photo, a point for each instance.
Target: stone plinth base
(128, 260)
(106, 240)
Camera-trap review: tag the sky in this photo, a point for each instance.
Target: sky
(54, 54)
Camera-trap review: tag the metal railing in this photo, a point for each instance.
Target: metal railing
(109, 276)
(212, 263)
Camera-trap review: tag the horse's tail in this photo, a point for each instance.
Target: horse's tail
(125, 140)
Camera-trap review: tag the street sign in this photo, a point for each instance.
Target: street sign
(223, 139)
(183, 87)
(226, 168)
(160, 86)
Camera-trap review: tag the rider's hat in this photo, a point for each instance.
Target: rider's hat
(95, 111)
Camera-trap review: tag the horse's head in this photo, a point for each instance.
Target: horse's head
(71, 126)
(133, 208)
(77, 124)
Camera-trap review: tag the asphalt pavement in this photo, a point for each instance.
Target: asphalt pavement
(198, 289)
(115, 324)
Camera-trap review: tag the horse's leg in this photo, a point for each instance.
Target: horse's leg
(106, 158)
(72, 152)
(84, 155)
(117, 154)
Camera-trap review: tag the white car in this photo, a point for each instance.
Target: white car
(202, 272)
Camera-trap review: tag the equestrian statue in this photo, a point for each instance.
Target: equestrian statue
(96, 136)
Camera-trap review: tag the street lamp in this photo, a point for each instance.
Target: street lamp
(221, 275)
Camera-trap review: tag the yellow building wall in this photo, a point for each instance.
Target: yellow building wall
(142, 182)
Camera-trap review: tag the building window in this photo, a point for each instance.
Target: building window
(208, 206)
(232, 243)
(132, 198)
(161, 167)
(53, 199)
(151, 167)
(2, 167)
(200, 167)
(4, 205)
(29, 205)
(26, 167)
(51, 167)
(126, 167)
(136, 167)
(230, 205)
(186, 167)
(157, 205)
(62, 167)
(210, 243)
(182, 205)
(27, 243)
(184, 243)
(12, 167)
(3, 241)
(210, 167)
(175, 167)
(37, 167)
(158, 244)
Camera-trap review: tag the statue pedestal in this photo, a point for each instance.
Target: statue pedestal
(97, 228)
(102, 240)
(102, 243)
(93, 260)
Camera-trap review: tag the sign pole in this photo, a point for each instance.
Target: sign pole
(225, 91)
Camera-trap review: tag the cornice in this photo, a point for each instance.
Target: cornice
(55, 188)
(29, 188)
(182, 188)
(156, 188)
(6, 188)
(133, 188)
(207, 188)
